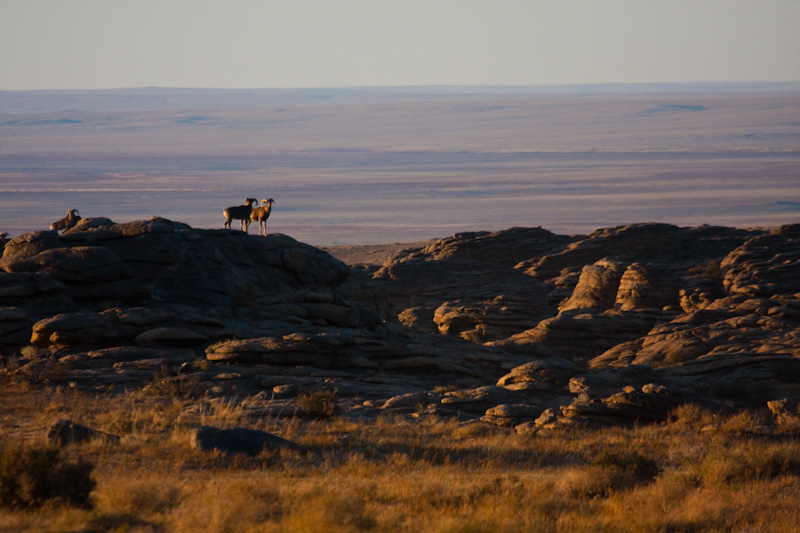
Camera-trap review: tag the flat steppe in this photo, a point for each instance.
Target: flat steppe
(380, 166)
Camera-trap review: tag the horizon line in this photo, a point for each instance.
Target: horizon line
(457, 88)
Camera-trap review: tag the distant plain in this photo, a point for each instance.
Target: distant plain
(381, 166)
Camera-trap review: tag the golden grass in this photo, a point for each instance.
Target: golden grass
(398, 475)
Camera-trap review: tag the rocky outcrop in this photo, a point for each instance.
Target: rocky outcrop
(159, 260)
(647, 286)
(439, 360)
(648, 243)
(743, 346)
(597, 287)
(766, 265)
(543, 374)
(583, 336)
(494, 295)
(520, 328)
(508, 247)
(73, 287)
(472, 275)
(499, 317)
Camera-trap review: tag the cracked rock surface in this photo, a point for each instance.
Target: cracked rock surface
(520, 327)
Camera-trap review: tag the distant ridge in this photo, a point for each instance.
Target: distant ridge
(160, 98)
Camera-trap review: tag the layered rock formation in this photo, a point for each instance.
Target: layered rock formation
(520, 327)
(705, 315)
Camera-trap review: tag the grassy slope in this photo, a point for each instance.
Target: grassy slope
(695, 473)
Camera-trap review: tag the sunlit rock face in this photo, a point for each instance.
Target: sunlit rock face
(597, 287)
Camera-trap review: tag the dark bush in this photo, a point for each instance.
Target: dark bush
(642, 468)
(322, 403)
(31, 476)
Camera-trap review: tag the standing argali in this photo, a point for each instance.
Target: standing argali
(239, 212)
(261, 214)
(69, 221)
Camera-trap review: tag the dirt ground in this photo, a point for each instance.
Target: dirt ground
(369, 254)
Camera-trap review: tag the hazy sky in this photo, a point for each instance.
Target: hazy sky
(71, 44)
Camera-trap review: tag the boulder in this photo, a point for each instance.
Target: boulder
(409, 401)
(512, 414)
(241, 441)
(647, 286)
(27, 246)
(543, 374)
(64, 432)
(479, 399)
(171, 336)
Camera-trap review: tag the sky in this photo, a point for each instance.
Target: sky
(106, 44)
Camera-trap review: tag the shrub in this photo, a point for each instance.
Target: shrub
(119, 521)
(31, 476)
(45, 370)
(186, 386)
(199, 365)
(331, 512)
(747, 463)
(441, 389)
(140, 497)
(710, 270)
(322, 403)
(642, 468)
(691, 416)
(742, 422)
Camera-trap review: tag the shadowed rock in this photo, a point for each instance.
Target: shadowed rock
(171, 262)
(646, 242)
(177, 337)
(237, 440)
(765, 265)
(64, 432)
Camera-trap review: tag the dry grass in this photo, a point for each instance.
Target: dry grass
(694, 473)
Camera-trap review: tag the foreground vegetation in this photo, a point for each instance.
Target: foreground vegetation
(697, 472)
